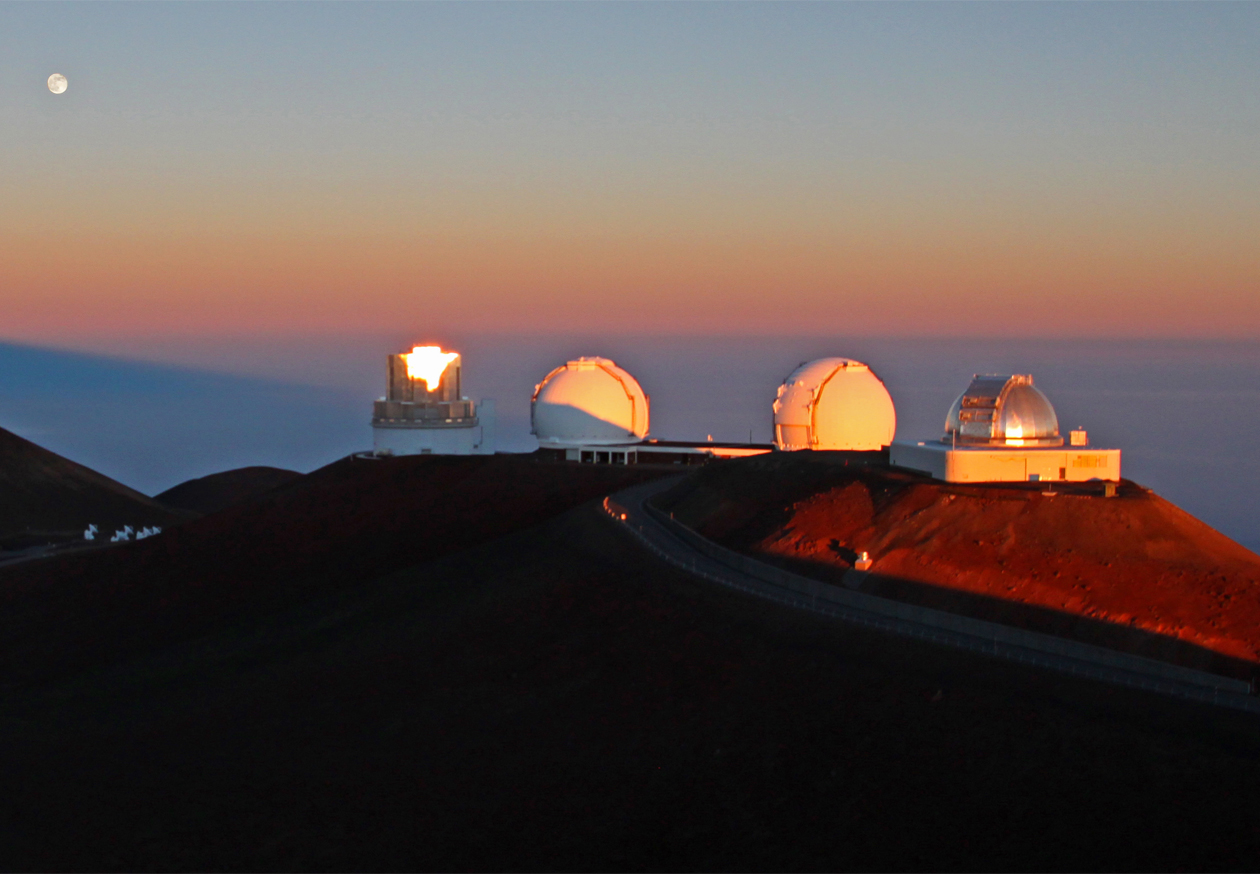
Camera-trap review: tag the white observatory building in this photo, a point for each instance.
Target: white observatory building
(425, 411)
(1004, 429)
(591, 411)
(833, 403)
(588, 402)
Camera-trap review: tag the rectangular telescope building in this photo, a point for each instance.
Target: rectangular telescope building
(985, 464)
(425, 411)
(1003, 429)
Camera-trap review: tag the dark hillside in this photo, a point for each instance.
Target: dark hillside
(1133, 572)
(218, 491)
(559, 700)
(339, 527)
(50, 499)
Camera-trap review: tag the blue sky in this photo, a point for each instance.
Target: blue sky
(227, 167)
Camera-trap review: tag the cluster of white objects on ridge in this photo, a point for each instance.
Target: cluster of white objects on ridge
(123, 533)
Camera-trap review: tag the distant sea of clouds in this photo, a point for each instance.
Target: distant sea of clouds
(153, 413)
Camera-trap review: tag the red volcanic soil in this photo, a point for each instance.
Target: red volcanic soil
(338, 527)
(218, 491)
(47, 498)
(1072, 563)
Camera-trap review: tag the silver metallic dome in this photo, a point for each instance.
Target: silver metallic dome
(1001, 410)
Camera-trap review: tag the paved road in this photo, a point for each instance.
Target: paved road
(687, 550)
(42, 552)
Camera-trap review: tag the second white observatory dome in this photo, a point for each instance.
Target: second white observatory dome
(833, 403)
(589, 401)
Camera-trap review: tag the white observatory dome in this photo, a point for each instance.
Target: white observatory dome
(589, 401)
(833, 403)
(1004, 411)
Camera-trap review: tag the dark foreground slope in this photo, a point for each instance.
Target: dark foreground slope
(45, 498)
(339, 527)
(552, 698)
(1133, 572)
(558, 700)
(218, 491)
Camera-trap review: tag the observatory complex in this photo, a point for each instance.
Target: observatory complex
(1003, 429)
(591, 411)
(425, 412)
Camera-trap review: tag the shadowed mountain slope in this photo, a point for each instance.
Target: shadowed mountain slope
(336, 528)
(1133, 572)
(218, 491)
(557, 699)
(48, 498)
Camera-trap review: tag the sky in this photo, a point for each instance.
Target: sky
(429, 169)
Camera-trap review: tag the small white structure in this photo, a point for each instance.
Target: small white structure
(833, 403)
(588, 402)
(1003, 429)
(425, 411)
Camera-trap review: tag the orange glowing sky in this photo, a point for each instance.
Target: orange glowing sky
(1024, 170)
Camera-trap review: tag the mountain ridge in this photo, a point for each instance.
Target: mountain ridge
(50, 499)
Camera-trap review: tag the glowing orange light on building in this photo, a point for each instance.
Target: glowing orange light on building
(428, 363)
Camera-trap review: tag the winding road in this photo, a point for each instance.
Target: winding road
(685, 549)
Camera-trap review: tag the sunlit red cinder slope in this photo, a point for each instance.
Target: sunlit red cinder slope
(1071, 563)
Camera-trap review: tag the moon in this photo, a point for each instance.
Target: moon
(57, 83)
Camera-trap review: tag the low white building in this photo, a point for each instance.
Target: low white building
(660, 452)
(1003, 429)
